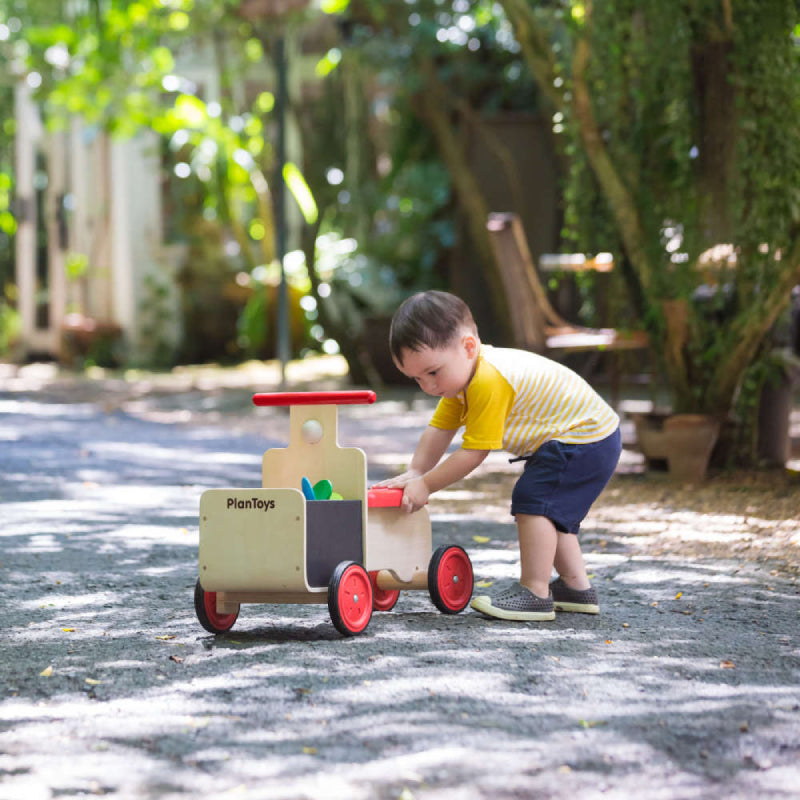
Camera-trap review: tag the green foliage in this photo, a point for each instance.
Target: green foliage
(471, 44)
(768, 109)
(407, 236)
(113, 64)
(8, 222)
(76, 265)
(156, 323)
(647, 76)
(10, 323)
(400, 217)
(679, 127)
(640, 77)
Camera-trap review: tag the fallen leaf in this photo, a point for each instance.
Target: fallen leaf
(166, 636)
(176, 659)
(184, 530)
(310, 751)
(68, 630)
(679, 595)
(484, 584)
(481, 539)
(92, 682)
(47, 671)
(625, 625)
(591, 723)
(608, 641)
(727, 664)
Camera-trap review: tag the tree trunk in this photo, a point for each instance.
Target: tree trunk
(715, 134)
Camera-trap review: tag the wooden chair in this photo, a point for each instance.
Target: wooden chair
(536, 325)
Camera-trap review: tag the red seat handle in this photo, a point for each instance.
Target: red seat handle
(314, 398)
(379, 497)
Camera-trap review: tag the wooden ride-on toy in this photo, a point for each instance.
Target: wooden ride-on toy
(277, 545)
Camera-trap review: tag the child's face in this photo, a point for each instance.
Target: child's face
(445, 371)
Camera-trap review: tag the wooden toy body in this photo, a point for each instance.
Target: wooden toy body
(274, 540)
(398, 547)
(272, 545)
(253, 540)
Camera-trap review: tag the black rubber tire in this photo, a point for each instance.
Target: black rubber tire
(205, 608)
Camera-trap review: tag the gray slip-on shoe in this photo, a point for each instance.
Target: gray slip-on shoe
(515, 603)
(581, 601)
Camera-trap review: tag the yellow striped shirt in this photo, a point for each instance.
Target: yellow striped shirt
(518, 400)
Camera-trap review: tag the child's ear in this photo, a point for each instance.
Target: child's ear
(471, 344)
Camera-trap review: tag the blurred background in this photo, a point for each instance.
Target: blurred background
(214, 181)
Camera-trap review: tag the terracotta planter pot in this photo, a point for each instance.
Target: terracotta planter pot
(690, 438)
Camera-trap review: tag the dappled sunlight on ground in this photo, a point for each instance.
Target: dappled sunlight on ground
(685, 684)
(726, 517)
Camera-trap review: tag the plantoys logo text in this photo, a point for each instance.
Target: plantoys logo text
(250, 503)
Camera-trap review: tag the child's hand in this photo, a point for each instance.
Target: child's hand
(415, 495)
(399, 481)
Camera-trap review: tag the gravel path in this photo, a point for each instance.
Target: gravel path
(685, 686)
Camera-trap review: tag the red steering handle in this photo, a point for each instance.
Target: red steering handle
(314, 398)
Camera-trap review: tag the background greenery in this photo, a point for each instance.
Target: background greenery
(674, 126)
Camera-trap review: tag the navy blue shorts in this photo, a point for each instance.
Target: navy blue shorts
(562, 481)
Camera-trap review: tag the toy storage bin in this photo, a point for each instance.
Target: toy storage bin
(334, 533)
(274, 540)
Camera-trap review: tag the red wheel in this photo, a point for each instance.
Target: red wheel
(382, 599)
(350, 598)
(450, 579)
(205, 606)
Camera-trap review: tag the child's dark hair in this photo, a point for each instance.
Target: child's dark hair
(428, 319)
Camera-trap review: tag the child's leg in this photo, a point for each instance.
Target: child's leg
(531, 601)
(538, 545)
(568, 561)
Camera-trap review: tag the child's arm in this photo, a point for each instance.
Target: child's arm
(455, 467)
(431, 447)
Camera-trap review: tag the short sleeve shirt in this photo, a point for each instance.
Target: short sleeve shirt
(518, 400)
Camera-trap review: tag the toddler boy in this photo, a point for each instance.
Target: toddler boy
(537, 409)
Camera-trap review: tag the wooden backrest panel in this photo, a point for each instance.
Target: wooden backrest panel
(531, 311)
(344, 467)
